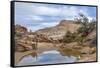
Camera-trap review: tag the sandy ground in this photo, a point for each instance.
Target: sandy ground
(88, 58)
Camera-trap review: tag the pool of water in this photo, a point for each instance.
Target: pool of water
(47, 57)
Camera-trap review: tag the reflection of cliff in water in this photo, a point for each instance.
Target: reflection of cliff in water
(47, 57)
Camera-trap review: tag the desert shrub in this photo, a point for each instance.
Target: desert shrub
(18, 34)
(69, 37)
(92, 25)
(29, 38)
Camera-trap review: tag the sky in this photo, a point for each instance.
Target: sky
(37, 16)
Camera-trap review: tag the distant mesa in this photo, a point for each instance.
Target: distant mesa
(58, 31)
(65, 22)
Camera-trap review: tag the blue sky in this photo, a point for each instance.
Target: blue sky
(36, 16)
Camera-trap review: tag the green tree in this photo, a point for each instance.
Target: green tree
(86, 27)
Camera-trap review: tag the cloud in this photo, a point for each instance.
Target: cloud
(50, 24)
(35, 16)
(91, 18)
(64, 11)
(45, 10)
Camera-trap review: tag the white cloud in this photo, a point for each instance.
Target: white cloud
(34, 18)
(67, 12)
(37, 18)
(43, 10)
(91, 18)
(46, 9)
(50, 24)
(70, 11)
(60, 11)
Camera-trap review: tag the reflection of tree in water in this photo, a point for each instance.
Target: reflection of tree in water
(34, 54)
(35, 47)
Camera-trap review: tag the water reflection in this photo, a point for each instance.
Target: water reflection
(61, 55)
(35, 54)
(69, 52)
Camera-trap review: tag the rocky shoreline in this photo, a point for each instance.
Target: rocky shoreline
(84, 53)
